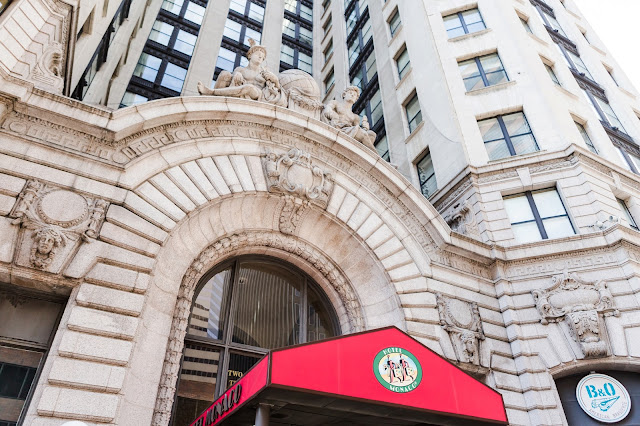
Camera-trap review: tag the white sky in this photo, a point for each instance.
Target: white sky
(616, 23)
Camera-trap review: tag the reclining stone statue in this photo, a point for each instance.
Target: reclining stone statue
(338, 114)
(293, 89)
(251, 82)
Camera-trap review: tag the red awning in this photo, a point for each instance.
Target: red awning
(369, 377)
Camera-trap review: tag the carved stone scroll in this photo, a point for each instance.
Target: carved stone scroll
(580, 304)
(462, 321)
(463, 220)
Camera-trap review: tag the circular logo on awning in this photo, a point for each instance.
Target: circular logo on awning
(397, 369)
(603, 398)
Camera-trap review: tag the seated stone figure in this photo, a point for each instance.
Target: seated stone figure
(251, 82)
(338, 114)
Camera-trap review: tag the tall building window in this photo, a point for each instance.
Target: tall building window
(602, 108)
(586, 138)
(297, 35)
(575, 63)
(525, 24)
(414, 114)
(27, 325)
(242, 310)
(394, 23)
(164, 61)
(366, 73)
(427, 176)
(327, 26)
(630, 160)
(552, 74)
(328, 51)
(402, 63)
(461, 23)
(538, 215)
(101, 53)
(507, 135)
(382, 146)
(329, 81)
(627, 214)
(548, 17)
(482, 71)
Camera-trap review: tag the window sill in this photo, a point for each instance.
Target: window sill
(516, 157)
(628, 93)
(472, 35)
(597, 49)
(403, 79)
(494, 88)
(538, 39)
(415, 131)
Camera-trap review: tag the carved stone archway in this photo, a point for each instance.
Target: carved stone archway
(218, 251)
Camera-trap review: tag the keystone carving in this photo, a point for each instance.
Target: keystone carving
(462, 220)
(292, 173)
(462, 321)
(55, 220)
(581, 304)
(292, 210)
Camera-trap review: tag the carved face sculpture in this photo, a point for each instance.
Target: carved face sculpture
(46, 244)
(350, 95)
(468, 342)
(257, 57)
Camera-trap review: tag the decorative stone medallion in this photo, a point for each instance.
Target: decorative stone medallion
(603, 398)
(63, 208)
(397, 369)
(462, 320)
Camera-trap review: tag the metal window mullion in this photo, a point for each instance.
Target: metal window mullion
(543, 15)
(628, 160)
(536, 215)
(505, 133)
(596, 105)
(464, 25)
(481, 71)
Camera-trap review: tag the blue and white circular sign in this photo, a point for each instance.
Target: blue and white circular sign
(603, 398)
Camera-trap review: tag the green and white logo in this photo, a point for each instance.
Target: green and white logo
(397, 370)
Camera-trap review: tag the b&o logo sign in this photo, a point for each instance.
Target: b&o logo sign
(603, 398)
(397, 369)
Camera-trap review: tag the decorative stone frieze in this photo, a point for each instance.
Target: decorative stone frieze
(207, 259)
(292, 173)
(580, 304)
(462, 321)
(463, 220)
(56, 220)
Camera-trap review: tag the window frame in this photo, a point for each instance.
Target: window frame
(407, 67)
(539, 221)
(423, 184)
(464, 24)
(393, 29)
(226, 345)
(507, 136)
(627, 213)
(483, 73)
(586, 138)
(413, 97)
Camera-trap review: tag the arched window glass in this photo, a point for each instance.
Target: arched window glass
(240, 311)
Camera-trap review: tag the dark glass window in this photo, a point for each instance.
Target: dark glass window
(538, 215)
(414, 113)
(549, 19)
(382, 146)
(482, 71)
(394, 23)
(467, 22)
(329, 81)
(552, 74)
(328, 50)
(297, 36)
(586, 138)
(403, 63)
(526, 26)
(604, 111)
(627, 214)
(507, 135)
(27, 324)
(4, 4)
(245, 308)
(427, 176)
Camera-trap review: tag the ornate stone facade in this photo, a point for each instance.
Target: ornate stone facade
(462, 321)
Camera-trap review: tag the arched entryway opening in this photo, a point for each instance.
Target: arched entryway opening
(240, 310)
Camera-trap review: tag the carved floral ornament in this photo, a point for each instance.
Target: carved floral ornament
(56, 220)
(217, 251)
(580, 304)
(463, 323)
